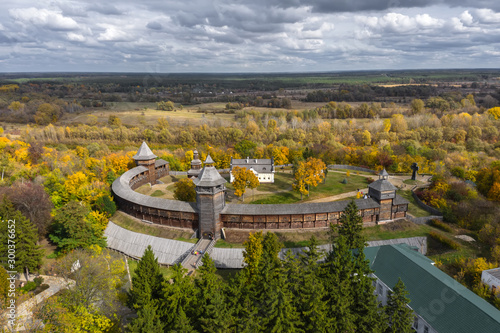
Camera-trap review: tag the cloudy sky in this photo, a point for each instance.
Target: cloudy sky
(247, 36)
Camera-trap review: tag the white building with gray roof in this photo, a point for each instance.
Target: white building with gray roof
(263, 168)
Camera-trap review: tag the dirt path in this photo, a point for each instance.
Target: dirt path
(397, 181)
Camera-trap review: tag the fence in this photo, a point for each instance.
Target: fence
(424, 219)
(424, 206)
(350, 167)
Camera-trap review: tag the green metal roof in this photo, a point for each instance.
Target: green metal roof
(439, 299)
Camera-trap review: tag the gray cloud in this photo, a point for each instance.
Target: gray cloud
(229, 36)
(153, 25)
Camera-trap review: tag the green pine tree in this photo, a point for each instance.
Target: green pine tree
(312, 254)
(181, 323)
(148, 281)
(178, 297)
(400, 315)
(311, 304)
(365, 307)
(282, 316)
(336, 274)
(148, 321)
(351, 226)
(213, 313)
(28, 255)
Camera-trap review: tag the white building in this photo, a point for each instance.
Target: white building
(491, 277)
(263, 168)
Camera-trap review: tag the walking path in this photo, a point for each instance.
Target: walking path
(24, 311)
(397, 181)
(200, 249)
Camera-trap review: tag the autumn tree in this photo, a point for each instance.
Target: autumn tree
(95, 278)
(33, 202)
(47, 113)
(253, 253)
(165, 106)
(71, 228)
(243, 178)
(417, 106)
(494, 112)
(184, 190)
(300, 175)
(308, 173)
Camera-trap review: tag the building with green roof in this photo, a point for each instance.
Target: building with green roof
(441, 303)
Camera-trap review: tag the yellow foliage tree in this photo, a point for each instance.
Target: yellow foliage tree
(387, 125)
(314, 172)
(243, 178)
(280, 155)
(494, 112)
(494, 192)
(253, 253)
(308, 173)
(367, 138)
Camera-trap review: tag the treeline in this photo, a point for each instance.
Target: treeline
(298, 294)
(455, 140)
(437, 99)
(368, 93)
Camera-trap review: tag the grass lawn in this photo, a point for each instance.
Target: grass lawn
(132, 264)
(398, 229)
(227, 274)
(221, 243)
(413, 208)
(332, 186)
(413, 182)
(157, 193)
(127, 222)
(354, 172)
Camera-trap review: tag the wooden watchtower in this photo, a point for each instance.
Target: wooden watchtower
(384, 192)
(209, 200)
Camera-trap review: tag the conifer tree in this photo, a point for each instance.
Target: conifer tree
(351, 226)
(181, 323)
(312, 254)
(147, 321)
(305, 281)
(177, 303)
(28, 255)
(336, 274)
(213, 314)
(282, 316)
(368, 316)
(147, 282)
(400, 315)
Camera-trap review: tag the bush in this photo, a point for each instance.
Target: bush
(444, 240)
(369, 180)
(38, 280)
(441, 225)
(105, 204)
(29, 286)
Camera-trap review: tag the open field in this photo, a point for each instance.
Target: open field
(144, 113)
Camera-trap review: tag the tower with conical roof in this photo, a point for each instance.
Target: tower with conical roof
(210, 200)
(146, 158)
(384, 192)
(195, 165)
